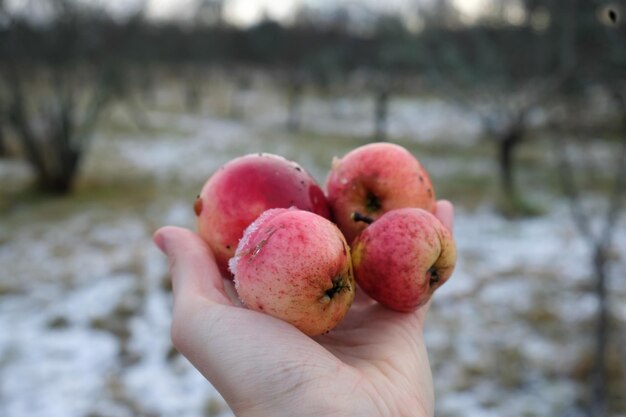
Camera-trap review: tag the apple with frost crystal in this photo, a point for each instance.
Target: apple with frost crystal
(374, 179)
(403, 257)
(296, 266)
(245, 187)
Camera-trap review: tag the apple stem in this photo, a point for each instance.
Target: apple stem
(358, 217)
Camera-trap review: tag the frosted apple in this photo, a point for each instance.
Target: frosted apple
(296, 266)
(235, 195)
(374, 179)
(403, 257)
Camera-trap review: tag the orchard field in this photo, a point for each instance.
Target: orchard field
(85, 296)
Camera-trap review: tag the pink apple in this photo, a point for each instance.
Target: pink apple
(403, 257)
(374, 179)
(295, 265)
(243, 189)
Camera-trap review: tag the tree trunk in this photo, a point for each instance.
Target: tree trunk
(598, 373)
(192, 94)
(147, 86)
(508, 145)
(236, 106)
(56, 184)
(381, 109)
(294, 99)
(237, 97)
(3, 147)
(60, 167)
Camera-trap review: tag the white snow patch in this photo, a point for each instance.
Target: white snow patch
(55, 373)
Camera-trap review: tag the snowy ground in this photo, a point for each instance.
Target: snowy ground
(85, 303)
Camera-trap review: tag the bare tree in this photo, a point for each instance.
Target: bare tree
(3, 146)
(600, 240)
(381, 112)
(3, 121)
(506, 119)
(54, 131)
(53, 104)
(192, 87)
(504, 105)
(294, 80)
(382, 85)
(243, 83)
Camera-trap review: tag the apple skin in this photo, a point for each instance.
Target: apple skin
(374, 179)
(296, 266)
(242, 189)
(403, 257)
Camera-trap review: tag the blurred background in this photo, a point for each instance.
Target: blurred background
(113, 113)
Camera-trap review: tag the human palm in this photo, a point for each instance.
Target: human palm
(373, 364)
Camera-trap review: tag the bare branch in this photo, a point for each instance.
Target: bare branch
(98, 102)
(19, 121)
(617, 197)
(566, 175)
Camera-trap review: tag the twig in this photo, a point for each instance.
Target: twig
(617, 196)
(566, 175)
(600, 247)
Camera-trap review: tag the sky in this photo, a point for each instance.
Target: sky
(247, 12)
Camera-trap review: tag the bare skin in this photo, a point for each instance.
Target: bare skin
(373, 364)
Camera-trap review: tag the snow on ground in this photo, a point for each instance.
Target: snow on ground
(86, 330)
(85, 306)
(422, 120)
(202, 150)
(506, 333)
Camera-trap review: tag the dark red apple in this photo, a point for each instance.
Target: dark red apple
(403, 257)
(244, 188)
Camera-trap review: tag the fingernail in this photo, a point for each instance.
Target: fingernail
(161, 241)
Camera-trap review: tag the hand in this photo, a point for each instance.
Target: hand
(373, 364)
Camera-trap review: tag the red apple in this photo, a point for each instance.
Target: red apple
(374, 179)
(243, 189)
(296, 266)
(403, 257)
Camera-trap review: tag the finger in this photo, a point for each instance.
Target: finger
(422, 312)
(192, 264)
(445, 213)
(361, 298)
(231, 292)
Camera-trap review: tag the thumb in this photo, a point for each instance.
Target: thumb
(445, 213)
(194, 271)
